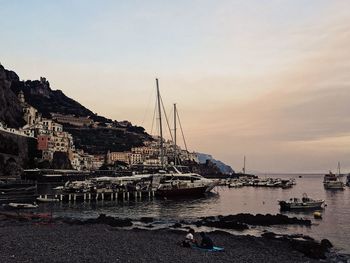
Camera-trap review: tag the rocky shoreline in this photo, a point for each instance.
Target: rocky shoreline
(109, 239)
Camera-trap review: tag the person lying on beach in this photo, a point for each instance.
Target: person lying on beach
(189, 240)
(206, 243)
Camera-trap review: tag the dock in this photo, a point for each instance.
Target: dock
(96, 196)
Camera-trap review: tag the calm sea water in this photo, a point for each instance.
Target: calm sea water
(335, 224)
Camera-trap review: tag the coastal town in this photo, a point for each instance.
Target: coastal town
(175, 131)
(52, 138)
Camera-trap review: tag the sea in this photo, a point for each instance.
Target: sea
(334, 225)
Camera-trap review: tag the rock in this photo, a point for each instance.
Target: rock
(269, 235)
(146, 219)
(102, 219)
(176, 225)
(226, 224)
(309, 248)
(325, 243)
(261, 220)
(61, 161)
(113, 221)
(11, 111)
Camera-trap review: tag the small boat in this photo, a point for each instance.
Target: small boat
(235, 184)
(47, 200)
(333, 182)
(304, 203)
(348, 180)
(20, 206)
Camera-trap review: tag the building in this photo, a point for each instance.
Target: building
(152, 162)
(72, 120)
(45, 142)
(118, 156)
(31, 114)
(97, 161)
(145, 150)
(136, 158)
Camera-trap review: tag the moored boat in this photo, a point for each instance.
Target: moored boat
(47, 200)
(21, 206)
(184, 184)
(333, 182)
(304, 203)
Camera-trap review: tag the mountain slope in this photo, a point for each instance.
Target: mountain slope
(39, 94)
(11, 112)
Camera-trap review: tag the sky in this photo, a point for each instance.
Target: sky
(268, 79)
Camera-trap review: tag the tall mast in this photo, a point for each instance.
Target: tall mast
(175, 153)
(244, 165)
(160, 127)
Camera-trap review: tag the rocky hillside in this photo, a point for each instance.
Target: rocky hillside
(39, 94)
(224, 168)
(100, 140)
(11, 112)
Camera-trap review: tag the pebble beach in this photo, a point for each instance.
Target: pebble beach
(60, 242)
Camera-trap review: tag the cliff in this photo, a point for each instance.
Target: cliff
(224, 168)
(11, 112)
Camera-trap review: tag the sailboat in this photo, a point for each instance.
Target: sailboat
(333, 181)
(170, 180)
(176, 182)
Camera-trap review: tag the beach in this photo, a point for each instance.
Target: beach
(61, 242)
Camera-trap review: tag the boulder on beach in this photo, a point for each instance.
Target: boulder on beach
(304, 244)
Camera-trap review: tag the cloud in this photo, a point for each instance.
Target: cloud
(298, 122)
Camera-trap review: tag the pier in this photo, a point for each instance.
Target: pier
(98, 196)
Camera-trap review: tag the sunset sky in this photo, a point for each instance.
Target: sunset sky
(266, 79)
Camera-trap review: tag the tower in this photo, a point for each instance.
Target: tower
(21, 97)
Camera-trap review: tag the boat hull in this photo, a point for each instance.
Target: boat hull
(300, 206)
(334, 185)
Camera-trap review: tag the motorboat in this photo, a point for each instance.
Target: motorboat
(184, 184)
(235, 184)
(20, 206)
(17, 191)
(333, 182)
(304, 203)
